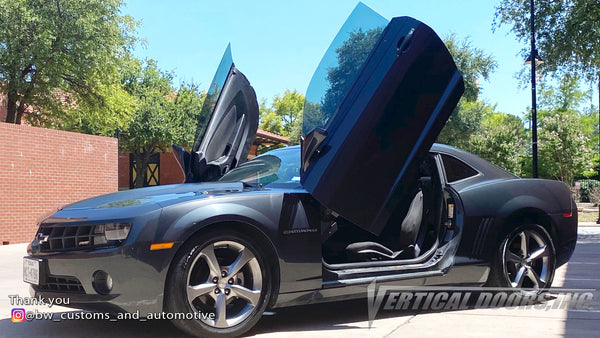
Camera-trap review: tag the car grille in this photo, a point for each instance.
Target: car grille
(61, 284)
(58, 237)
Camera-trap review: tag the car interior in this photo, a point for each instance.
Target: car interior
(411, 234)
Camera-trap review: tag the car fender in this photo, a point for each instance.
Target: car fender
(199, 218)
(519, 203)
(297, 254)
(489, 214)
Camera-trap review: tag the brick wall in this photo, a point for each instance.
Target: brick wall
(124, 171)
(42, 169)
(170, 170)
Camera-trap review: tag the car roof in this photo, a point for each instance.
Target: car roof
(489, 170)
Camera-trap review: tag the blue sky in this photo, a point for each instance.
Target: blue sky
(278, 44)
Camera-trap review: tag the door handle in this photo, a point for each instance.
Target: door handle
(404, 42)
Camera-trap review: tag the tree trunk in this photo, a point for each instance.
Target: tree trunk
(141, 163)
(11, 107)
(20, 111)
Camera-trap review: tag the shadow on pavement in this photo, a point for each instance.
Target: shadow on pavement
(318, 317)
(88, 328)
(583, 272)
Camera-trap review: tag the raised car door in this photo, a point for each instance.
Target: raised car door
(226, 127)
(376, 119)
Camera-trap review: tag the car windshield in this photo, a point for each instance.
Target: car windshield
(280, 167)
(340, 66)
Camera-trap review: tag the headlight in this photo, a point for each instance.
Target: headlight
(111, 232)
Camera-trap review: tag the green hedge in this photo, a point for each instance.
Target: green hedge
(584, 192)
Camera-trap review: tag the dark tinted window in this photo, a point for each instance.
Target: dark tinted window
(340, 66)
(212, 95)
(456, 170)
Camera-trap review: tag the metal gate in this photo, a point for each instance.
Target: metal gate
(152, 172)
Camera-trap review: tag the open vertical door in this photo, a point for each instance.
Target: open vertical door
(371, 116)
(226, 127)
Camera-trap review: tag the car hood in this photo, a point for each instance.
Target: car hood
(160, 195)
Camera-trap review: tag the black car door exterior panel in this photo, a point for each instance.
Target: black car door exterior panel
(368, 153)
(230, 132)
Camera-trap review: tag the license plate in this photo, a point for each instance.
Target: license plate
(31, 271)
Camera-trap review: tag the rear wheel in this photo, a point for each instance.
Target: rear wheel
(526, 259)
(223, 278)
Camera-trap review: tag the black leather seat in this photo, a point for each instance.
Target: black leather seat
(372, 251)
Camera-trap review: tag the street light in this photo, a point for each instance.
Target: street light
(533, 56)
(598, 221)
(538, 60)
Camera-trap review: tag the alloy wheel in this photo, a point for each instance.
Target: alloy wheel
(225, 278)
(528, 260)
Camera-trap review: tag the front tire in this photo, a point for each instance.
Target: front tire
(526, 259)
(220, 273)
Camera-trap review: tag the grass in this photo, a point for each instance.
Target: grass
(588, 216)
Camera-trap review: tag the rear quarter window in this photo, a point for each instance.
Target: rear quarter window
(456, 169)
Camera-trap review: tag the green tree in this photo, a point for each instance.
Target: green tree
(567, 36)
(162, 117)
(567, 33)
(474, 64)
(474, 125)
(465, 121)
(502, 141)
(563, 147)
(188, 104)
(568, 97)
(87, 117)
(269, 121)
(565, 96)
(284, 116)
(567, 132)
(63, 48)
(289, 108)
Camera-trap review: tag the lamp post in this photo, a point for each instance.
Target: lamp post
(598, 221)
(532, 59)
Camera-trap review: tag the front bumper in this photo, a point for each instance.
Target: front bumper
(137, 285)
(138, 273)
